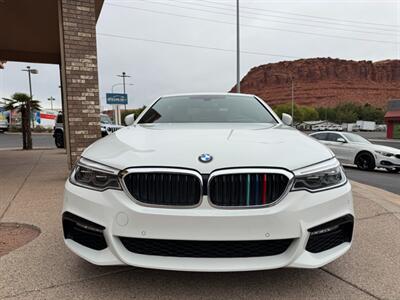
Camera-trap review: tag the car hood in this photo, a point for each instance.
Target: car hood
(375, 147)
(230, 145)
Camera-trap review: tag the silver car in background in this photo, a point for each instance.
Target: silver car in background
(351, 148)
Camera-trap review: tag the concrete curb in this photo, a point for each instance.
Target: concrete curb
(387, 200)
(33, 133)
(20, 149)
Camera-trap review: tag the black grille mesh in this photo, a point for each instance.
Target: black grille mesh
(164, 188)
(83, 232)
(185, 248)
(252, 189)
(331, 234)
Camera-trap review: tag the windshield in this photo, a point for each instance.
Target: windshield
(355, 138)
(208, 109)
(104, 119)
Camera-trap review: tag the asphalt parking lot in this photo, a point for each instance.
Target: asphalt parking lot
(14, 140)
(379, 178)
(46, 269)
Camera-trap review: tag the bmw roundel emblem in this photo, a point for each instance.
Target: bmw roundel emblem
(205, 157)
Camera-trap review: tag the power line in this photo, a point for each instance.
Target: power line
(282, 22)
(279, 17)
(251, 26)
(307, 16)
(192, 45)
(260, 14)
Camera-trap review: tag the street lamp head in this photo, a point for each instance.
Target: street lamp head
(31, 71)
(123, 75)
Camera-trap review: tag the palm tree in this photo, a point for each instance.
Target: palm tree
(18, 101)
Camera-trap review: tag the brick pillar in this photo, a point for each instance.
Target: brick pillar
(77, 22)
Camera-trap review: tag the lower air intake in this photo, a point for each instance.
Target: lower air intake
(185, 248)
(83, 232)
(330, 234)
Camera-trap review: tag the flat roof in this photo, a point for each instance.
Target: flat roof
(395, 114)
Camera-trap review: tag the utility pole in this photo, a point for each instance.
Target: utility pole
(237, 48)
(123, 81)
(51, 99)
(291, 79)
(28, 107)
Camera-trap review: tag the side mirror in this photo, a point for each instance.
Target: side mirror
(287, 119)
(341, 140)
(129, 119)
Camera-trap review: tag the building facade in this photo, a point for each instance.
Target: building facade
(60, 32)
(392, 119)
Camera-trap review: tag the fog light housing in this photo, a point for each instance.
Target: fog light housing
(331, 234)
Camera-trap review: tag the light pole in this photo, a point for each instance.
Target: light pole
(237, 48)
(116, 109)
(292, 83)
(51, 99)
(123, 81)
(28, 106)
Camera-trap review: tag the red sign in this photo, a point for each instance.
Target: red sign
(47, 116)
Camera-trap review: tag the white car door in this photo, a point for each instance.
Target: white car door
(341, 147)
(323, 139)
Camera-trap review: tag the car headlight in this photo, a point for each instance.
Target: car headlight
(387, 154)
(95, 176)
(319, 177)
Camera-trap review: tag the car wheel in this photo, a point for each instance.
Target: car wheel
(365, 161)
(59, 140)
(393, 170)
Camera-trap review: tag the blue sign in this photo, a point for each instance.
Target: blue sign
(37, 117)
(116, 98)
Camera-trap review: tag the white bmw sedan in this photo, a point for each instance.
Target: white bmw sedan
(350, 148)
(208, 182)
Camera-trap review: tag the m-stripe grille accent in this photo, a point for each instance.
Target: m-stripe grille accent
(247, 189)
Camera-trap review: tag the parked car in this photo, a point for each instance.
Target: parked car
(315, 128)
(107, 127)
(335, 128)
(351, 148)
(3, 120)
(208, 182)
(3, 125)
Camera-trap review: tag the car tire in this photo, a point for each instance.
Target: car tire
(393, 170)
(59, 139)
(365, 161)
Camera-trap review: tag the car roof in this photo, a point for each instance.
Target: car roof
(208, 94)
(327, 131)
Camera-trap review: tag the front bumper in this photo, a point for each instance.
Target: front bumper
(387, 162)
(292, 218)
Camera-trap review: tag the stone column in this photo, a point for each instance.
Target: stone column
(77, 23)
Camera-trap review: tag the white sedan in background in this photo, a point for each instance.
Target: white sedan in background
(351, 148)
